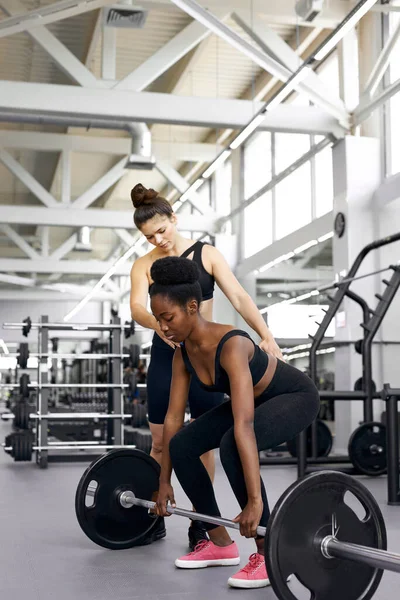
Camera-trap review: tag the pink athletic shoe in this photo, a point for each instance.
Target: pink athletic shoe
(253, 575)
(207, 554)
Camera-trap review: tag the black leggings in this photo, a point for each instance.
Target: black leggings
(289, 405)
(159, 375)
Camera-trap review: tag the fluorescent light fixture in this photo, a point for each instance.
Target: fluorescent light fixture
(288, 87)
(305, 246)
(291, 300)
(3, 346)
(275, 262)
(325, 237)
(358, 13)
(217, 163)
(121, 260)
(195, 186)
(247, 131)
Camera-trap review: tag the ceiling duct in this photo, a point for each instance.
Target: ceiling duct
(124, 16)
(308, 10)
(141, 156)
(83, 243)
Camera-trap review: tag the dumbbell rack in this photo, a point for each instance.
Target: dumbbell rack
(114, 416)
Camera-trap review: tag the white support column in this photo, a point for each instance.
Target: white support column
(237, 197)
(102, 185)
(34, 186)
(353, 191)
(66, 177)
(348, 70)
(369, 44)
(109, 53)
(19, 241)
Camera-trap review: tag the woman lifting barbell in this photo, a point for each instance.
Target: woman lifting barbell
(271, 402)
(155, 218)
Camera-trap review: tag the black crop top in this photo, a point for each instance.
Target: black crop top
(257, 364)
(206, 280)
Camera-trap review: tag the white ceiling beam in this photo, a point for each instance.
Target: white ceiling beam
(27, 179)
(66, 216)
(101, 185)
(45, 15)
(112, 287)
(126, 237)
(280, 13)
(109, 53)
(44, 238)
(48, 296)
(63, 57)
(290, 272)
(71, 267)
(61, 101)
(264, 61)
(65, 247)
(278, 48)
(313, 230)
(164, 58)
(16, 280)
(60, 142)
(180, 183)
(19, 241)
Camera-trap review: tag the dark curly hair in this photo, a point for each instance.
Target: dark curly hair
(177, 278)
(148, 204)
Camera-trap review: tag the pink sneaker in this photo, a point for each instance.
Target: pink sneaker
(207, 554)
(253, 575)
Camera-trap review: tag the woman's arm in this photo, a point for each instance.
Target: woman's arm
(235, 361)
(138, 299)
(176, 411)
(241, 300)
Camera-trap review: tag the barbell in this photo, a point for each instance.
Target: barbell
(315, 532)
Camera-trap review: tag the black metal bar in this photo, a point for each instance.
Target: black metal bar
(392, 441)
(345, 395)
(290, 460)
(301, 454)
(380, 559)
(43, 394)
(116, 347)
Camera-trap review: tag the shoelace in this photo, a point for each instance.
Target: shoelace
(253, 564)
(200, 546)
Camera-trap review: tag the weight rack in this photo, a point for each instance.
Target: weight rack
(115, 414)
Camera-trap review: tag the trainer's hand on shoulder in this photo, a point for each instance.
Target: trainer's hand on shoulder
(271, 347)
(165, 339)
(165, 496)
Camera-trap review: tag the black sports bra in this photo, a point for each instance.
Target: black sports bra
(258, 364)
(206, 280)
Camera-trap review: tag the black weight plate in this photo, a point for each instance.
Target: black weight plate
(367, 449)
(22, 444)
(143, 441)
(21, 415)
(324, 438)
(23, 385)
(23, 355)
(104, 520)
(359, 385)
(300, 520)
(139, 415)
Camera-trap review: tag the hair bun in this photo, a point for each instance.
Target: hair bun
(141, 195)
(174, 270)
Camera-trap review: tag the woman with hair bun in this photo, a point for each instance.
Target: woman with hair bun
(155, 219)
(270, 403)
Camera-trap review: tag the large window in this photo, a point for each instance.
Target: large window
(394, 108)
(288, 148)
(258, 223)
(223, 185)
(257, 163)
(293, 201)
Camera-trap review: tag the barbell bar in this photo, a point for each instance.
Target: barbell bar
(330, 546)
(36, 386)
(128, 499)
(326, 530)
(67, 356)
(74, 326)
(68, 416)
(81, 446)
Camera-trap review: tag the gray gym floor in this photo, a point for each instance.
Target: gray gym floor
(44, 555)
